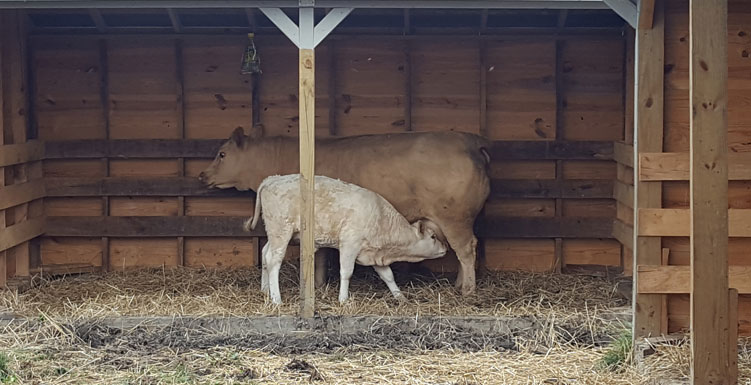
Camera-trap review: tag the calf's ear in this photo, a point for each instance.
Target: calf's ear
(238, 136)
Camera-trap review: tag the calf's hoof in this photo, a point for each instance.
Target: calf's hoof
(400, 297)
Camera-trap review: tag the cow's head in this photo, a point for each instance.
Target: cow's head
(229, 164)
(431, 243)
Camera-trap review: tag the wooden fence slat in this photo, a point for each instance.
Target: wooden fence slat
(623, 233)
(214, 226)
(654, 279)
(11, 154)
(189, 186)
(550, 188)
(206, 148)
(545, 227)
(623, 153)
(676, 222)
(675, 166)
(17, 234)
(21, 193)
(623, 193)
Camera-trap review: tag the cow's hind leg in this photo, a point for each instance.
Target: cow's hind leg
(464, 243)
(322, 266)
(388, 276)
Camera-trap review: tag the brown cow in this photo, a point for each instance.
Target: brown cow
(441, 176)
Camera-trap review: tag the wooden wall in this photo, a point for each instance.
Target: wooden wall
(553, 105)
(21, 186)
(676, 193)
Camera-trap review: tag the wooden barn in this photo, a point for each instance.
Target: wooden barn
(111, 109)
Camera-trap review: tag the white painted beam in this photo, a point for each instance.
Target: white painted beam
(284, 23)
(329, 22)
(625, 9)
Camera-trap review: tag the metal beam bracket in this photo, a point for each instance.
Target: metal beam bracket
(300, 36)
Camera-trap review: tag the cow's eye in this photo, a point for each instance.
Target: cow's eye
(432, 237)
(221, 154)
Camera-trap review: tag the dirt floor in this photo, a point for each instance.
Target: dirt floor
(62, 333)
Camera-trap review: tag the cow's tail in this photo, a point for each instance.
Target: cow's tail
(251, 223)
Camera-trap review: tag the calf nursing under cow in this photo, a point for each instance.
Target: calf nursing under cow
(439, 176)
(364, 227)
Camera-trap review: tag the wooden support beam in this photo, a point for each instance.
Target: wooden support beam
(625, 9)
(307, 162)
(649, 61)
(333, 75)
(483, 89)
(675, 166)
(175, 20)
(646, 11)
(104, 98)
(96, 16)
(660, 279)
(708, 90)
(180, 112)
(733, 335)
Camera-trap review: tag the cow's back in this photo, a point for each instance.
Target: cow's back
(431, 175)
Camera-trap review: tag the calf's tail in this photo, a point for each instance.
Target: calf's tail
(251, 223)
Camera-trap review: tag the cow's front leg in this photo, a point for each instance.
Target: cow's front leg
(265, 269)
(388, 276)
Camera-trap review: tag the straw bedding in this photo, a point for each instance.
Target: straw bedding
(64, 342)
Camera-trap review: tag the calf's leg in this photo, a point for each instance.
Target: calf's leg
(347, 257)
(265, 269)
(275, 256)
(388, 276)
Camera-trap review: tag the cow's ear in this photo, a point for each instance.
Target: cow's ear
(238, 136)
(420, 227)
(257, 131)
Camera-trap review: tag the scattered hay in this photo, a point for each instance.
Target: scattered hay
(186, 291)
(65, 342)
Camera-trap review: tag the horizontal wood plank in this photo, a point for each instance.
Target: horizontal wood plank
(624, 233)
(676, 222)
(206, 148)
(552, 150)
(675, 166)
(19, 233)
(551, 188)
(17, 194)
(677, 279)
(623, 193)
(194, 226)
(623, 153)
(189, 186)
(149, 227)
(11, 154)
(115, 186)
(545, 227)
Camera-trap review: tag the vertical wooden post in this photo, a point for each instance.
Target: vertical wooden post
(333, 131)
(408, 85)
(307, 162)
(559, 136)
(648, 132)
(104, 97)
(3, 127)
(709, 191)
(180, 91)
(733, 335)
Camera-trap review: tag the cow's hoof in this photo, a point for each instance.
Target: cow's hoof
(400, 297)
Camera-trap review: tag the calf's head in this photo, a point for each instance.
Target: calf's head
(430, 244)
(230, 166)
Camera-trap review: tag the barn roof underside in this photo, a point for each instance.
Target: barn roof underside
(395, 21)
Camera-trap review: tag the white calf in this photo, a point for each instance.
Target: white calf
(360, 223)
